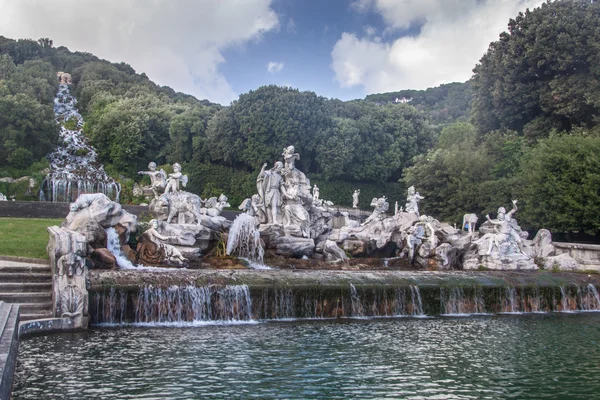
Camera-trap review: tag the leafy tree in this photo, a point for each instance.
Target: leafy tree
(27, 130)
(7, 66)
(561, 181)
(264, 121)
(449, 175)
(543, 73)
(35, 78)
(129, 132)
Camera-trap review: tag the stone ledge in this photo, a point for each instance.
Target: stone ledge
(25, 260)
(579, 246)
(52, 325)
(9, 345)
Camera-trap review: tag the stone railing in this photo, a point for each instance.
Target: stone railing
(587, 255)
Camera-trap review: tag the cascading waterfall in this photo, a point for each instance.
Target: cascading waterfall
(74, 169)
(241, 303)
(244, 240)
(172, 304)
(113, 244)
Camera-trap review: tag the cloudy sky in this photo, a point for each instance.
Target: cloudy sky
(217, 49)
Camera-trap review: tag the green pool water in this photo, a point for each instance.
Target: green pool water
(532, 356)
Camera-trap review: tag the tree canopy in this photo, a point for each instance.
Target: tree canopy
(543, 74)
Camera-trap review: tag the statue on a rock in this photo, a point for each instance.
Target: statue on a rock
(412, 201)
(294, 213)
(355, 198)
(269, 184)
(469, 222)
(214, 205)
(504, 240)
(174, 179)
(420, 233)
(290, 157)
(153, 250)
(315, 193)
(158, 179)
(381, 206)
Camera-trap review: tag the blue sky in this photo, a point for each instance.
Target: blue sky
(309, 30)
(218, 49)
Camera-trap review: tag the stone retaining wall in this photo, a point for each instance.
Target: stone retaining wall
(588, 255)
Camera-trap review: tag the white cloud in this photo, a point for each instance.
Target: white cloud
(274, 67)
(453, 37)
(369, 30)
(176, 43)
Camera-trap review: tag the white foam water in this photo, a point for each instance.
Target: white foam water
(244, 240)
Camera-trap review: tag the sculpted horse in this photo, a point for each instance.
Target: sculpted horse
(469, 221)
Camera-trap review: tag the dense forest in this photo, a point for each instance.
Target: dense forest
(525, 126)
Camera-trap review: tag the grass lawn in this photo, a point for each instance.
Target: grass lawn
(25, 237)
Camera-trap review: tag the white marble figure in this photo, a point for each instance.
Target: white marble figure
(290, 157)
(422, 231)
(174, 179)
(396, 208)
(505, 240)
(3, 197)
(294, 213)
(355, 198)
(469, 222)
(172, 254)
(412, 201)
(381, 206)
(213, 206)
(269, 184)
(158, 179)
(315, 193)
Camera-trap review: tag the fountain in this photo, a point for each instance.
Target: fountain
(74, 168)
(244, 239)
(293, 227)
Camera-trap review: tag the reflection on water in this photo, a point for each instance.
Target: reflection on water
(528, 356)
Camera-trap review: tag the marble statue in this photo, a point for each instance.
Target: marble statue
(355, 198)
(419, 234)
(504, 240)
(290, 157)
(269, 184)
(174, 179)
(158, 179)
(169, 253)
(381, 206)
(396, 208)
(469, 222)
(180, 204)
(412, 201)
(294, 213)
(3, 197)
(315, 193)
(214, 205)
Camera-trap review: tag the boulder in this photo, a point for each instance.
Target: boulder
(561, 262)
(103, 258)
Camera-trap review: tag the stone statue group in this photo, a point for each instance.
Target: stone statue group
(284, 195)
(161, 183)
